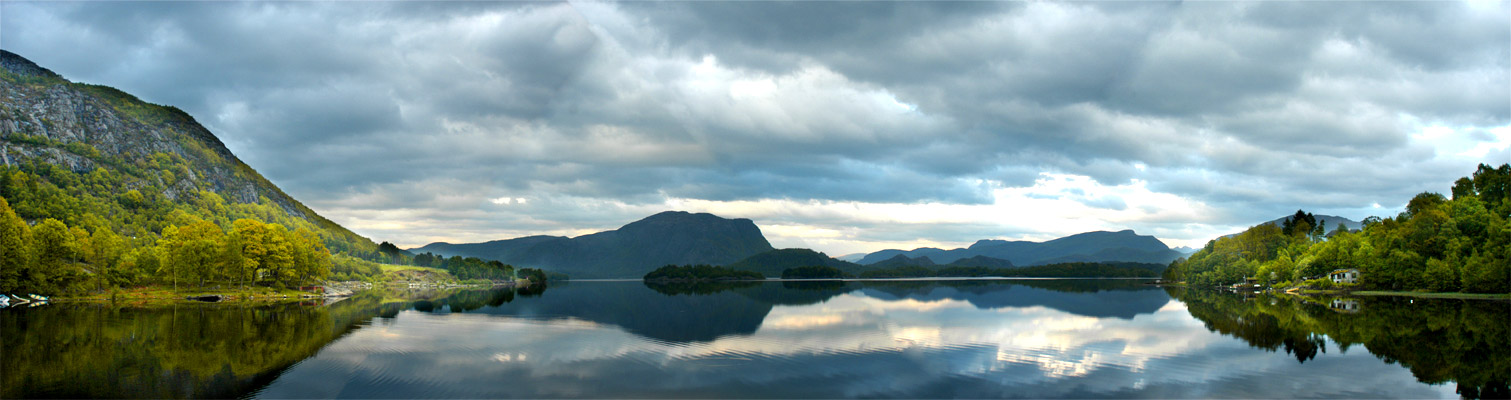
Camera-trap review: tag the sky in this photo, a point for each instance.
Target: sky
(839, 126)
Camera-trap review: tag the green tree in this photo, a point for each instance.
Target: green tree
(15, 246)
(56, 252)
(104, 255)
(311, 259)
(192, 253)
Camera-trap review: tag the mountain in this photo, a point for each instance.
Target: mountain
(981, 261)
(1096, 246)
(772, 263)
(129, 162)
(1329, 221)
(672, 237)
(119, 174)
(852, 257)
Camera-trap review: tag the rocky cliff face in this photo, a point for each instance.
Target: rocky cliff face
(45, 118)
(131, 163)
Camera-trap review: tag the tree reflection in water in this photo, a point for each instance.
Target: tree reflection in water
(183, 350)
(1439, 340)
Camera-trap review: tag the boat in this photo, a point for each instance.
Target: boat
(209, 298)
(18, 300)
(37, 297)
(4, 300)
(38, 303)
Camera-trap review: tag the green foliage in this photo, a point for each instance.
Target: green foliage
(15, 244)
(53, 257)
(83, 149)
(535, 276)
(348, 268)
(700, 272)
(1437, 244)
(813, 272)
(470, 267)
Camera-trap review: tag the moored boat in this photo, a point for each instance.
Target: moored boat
(37, 297)
(209, 298)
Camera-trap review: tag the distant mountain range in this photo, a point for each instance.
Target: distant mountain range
(852, 257)
(1096, 246)
(672, 237)
(680, 238)
(1330, 222)
(902, 260)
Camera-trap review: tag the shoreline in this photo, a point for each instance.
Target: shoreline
(1434, 295)
(1296, 291)
(158, 295)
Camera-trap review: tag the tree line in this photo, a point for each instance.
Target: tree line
(52, 257)
(1458, 244)
(141, 197)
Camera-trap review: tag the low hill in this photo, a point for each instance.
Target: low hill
(772, 263)
(902, 260)
(667, 238)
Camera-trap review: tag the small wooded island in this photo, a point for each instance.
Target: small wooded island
(700, 273)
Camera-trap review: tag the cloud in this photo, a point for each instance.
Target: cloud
(406, 120)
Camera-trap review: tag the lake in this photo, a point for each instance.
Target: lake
(907, 338)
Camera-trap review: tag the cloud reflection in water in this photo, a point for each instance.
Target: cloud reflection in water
(934, 342)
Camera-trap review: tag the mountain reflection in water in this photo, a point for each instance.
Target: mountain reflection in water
(805, 339)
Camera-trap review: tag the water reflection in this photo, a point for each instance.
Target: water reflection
(826, 339)
(182, 350)
(1440, 340)
(829, 339)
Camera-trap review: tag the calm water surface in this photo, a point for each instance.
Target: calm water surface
(915, 339)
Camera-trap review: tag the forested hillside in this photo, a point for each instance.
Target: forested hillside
(1443, 244)
(102, 189)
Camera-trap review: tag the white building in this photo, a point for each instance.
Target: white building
(1350, 275)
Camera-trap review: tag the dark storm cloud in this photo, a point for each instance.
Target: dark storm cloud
(599, 112)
